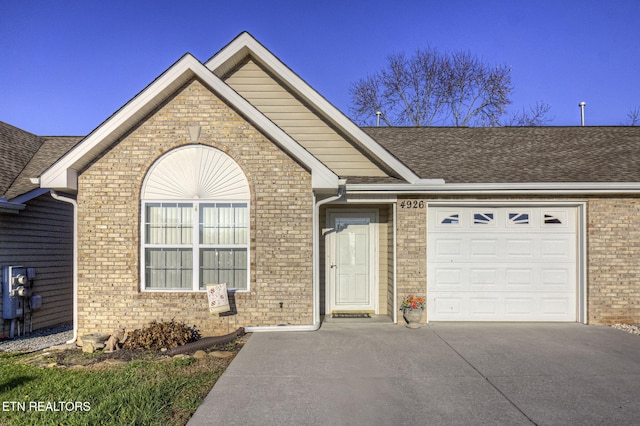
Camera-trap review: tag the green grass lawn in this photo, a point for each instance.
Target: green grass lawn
(145, 391)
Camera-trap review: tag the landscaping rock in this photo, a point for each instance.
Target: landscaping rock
(88, 347)
(200, 354)
(221, 354)
(180, 356)
(629, 328)
(95, 338)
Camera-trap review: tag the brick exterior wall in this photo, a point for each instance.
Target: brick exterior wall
(411, 264)
(281, 206)
(613, 264)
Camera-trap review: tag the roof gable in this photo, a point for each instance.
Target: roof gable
(64, 173)
(24, 155)
(243, 46)
(269, 95)
(52, 148)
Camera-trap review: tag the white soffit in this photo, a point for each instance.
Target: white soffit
(63, 174)
(245, 44)
(196, 172)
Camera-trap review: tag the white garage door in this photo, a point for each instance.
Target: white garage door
(502, 264)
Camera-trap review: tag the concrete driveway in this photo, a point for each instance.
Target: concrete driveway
(441, 374)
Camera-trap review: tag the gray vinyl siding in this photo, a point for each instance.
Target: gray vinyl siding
(295, 118)
(41, 237)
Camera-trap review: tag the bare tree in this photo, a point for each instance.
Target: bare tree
(633, 117)
(431, 88)
(536, 115)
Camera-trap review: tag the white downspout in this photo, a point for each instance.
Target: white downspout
(316, 271)
(73, 202)
(395, 264)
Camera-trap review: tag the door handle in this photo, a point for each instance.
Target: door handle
(334, 266)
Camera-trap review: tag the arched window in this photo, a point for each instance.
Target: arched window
(195, 221)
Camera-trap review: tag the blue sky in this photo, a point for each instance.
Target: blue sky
(66, 66)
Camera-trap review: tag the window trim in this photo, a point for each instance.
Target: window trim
(195, 245)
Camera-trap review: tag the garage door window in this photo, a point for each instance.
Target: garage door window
(554, 218)
(483, 218)
(452, 219)
(518, 218)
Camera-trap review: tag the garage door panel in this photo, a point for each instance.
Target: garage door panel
(519, 279)
(497, 307)
(505, 277)
(449, 279)
(504, 247)
(557, 306)
(523, 307)
(484, 306)
(558, 280)
(448, 247)
(483, 279)
(563, 249)
(502, 264)
(484, 247)
(518, 248)
(448, 308)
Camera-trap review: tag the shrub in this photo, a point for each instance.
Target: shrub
(156, 335)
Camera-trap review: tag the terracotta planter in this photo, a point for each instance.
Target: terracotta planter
(413, 317)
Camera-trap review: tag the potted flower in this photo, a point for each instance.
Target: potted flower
(412, 307)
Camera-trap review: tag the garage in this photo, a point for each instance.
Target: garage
(502, 263)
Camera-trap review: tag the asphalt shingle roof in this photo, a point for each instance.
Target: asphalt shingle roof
(17, 147)
(516, 154)
(24, 155)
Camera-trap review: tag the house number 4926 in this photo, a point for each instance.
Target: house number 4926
(412, 204)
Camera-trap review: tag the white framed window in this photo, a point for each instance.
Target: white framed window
(224, 243)
(190, 235)
(178, 255)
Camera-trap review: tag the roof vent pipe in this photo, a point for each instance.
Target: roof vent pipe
(378, 114)
(582, 105)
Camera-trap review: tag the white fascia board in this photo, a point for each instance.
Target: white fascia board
(545, 188)
(63, 174)
(245, 41)
(322, 177)
(60, 179)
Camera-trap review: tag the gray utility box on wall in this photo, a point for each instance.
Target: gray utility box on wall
(16, 288)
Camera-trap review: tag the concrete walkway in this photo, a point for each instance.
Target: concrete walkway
(441, 374)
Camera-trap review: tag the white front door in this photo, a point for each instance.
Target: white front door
(351, 262)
